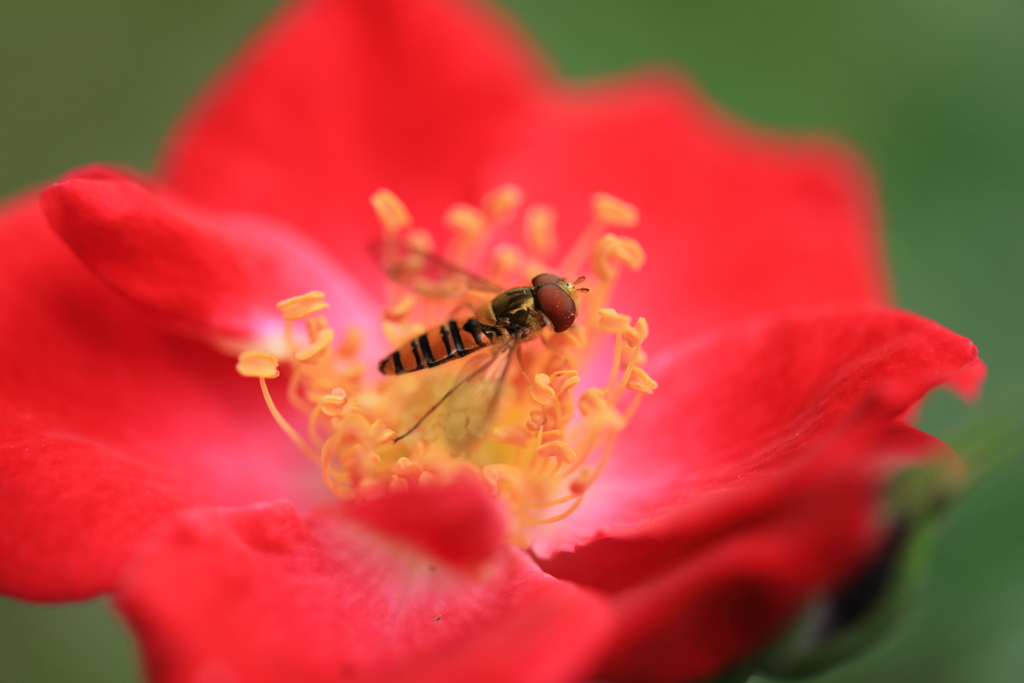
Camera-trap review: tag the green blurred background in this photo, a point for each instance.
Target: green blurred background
(932, 91)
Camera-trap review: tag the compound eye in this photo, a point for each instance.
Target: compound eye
(546, 279)
(557, 305)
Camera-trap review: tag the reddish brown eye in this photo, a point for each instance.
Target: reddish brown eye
(546, 279)
(557, 305)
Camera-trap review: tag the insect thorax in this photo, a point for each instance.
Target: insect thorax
(516, 309)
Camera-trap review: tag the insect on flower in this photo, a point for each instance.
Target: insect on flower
(501, 324)
(529, 439)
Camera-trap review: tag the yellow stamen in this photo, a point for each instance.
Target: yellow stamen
(612, 252)
(318, 349)
(555, 518)
(401, 310)
(391, 211)
(257, 364)
(538, 455)
(467, 219)
(613, 212)
(636, 334)
(508, 260)
(539, 230)
(640, 381)
(500, 202)
(299, 307)
(559, 450)
(283, 423)
(609, 320)
(334, 403)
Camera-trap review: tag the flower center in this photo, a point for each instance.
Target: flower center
(510, 412)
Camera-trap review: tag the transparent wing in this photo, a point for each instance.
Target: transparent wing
(463, 416)
(426, 272)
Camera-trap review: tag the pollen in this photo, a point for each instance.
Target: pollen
(527, 423)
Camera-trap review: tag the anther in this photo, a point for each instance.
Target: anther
(613, 212)
(640, 381)
(539, 230)
(400, 310)
(610, 320)
(391, 211)
(563, 380)
(420, 240)
(298, 307)
(408, 469)
(333, 403)
(541, 389)
(466, 219)
(318, 349)
(559, 450)
(501, 201)
(593, 401)
(636, 334)
(508, 260)
(613, 251)
(349, 343)
(257, 364)
(379, 433)
(495, 474)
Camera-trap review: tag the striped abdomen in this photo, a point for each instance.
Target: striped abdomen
(446, 342)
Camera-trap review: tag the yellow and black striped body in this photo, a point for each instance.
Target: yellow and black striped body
(447, 342)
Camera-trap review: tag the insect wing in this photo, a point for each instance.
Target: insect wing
(426, 272)
(469, 412)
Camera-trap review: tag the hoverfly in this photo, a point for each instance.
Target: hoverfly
(509, 318)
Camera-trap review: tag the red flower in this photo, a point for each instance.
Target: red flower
(135, 460)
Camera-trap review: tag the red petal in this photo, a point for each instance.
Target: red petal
(459, 523)
(741, 402)
(213, 275)
(335, 99)
(755, 483)
(721, 601)
(72, 512)
(734, 222)
(108, 424)
(251, 595)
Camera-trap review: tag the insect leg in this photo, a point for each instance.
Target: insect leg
(451, 391)
(522, 366)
